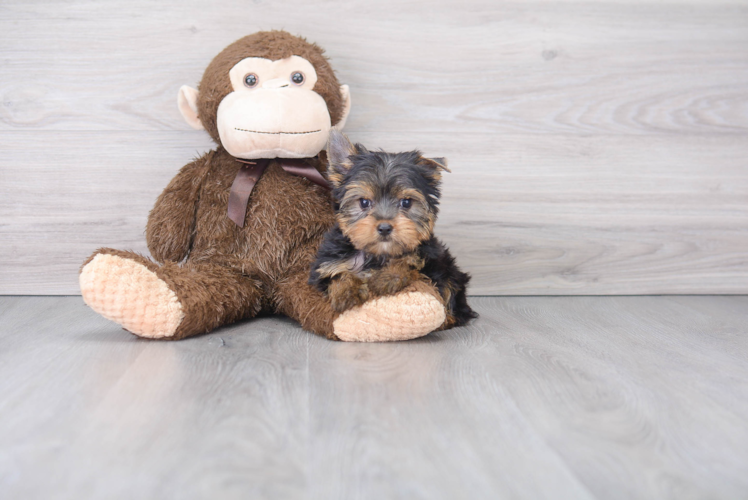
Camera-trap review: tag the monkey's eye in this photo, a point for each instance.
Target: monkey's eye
(250, 80)
(297, 77)
(365, 204)
(406, 203)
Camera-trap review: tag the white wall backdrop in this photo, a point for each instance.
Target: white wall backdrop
(597, 147)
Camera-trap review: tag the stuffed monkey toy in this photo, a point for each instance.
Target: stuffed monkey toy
(235, 232)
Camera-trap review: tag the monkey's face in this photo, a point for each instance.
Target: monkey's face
(270, 108)
(273, 111)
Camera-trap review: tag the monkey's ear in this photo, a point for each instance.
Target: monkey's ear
(346, 93)
(187, 102)
(339, 148)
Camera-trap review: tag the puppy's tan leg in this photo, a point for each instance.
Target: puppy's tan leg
(347, 291)
(396, 275)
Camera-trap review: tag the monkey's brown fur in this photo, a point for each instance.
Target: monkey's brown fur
(231, 272)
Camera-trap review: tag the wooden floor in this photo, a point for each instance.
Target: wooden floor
(542, 397)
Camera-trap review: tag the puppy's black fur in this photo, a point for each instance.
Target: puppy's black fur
(386, 206)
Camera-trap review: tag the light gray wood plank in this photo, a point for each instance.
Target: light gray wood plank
(654, 383)
(635, 397)
(90, 411)
(541, 397)
(420, 424)
(562, 215)
(508, 67)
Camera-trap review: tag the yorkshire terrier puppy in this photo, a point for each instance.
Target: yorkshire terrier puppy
(386, 206)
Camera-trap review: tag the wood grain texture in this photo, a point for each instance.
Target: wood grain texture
(510, 67)
(541, 397)
(566, 215)
(599, 147)
(136, 426)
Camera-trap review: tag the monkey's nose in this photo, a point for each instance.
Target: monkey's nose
(385, 228)
(275, 83)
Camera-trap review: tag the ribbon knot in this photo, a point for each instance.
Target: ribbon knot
(251, 171)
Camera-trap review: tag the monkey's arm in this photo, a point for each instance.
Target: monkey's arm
(172, 220)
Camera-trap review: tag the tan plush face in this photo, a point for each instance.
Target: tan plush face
(267, 107)
(263, 117)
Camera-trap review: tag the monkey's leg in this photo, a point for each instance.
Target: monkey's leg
(414, 312)
(169, 301)
(299, 300)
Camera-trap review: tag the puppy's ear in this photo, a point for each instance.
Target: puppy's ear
(438, 163)
(339, 148)
(434, 167)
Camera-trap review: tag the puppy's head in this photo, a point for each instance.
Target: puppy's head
(386, 202)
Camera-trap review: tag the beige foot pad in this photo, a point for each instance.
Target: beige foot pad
(129, 294)
(407, 315)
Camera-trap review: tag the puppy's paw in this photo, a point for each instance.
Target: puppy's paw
(412, 261)
(389, 282)
(347, 301)
(347, 292)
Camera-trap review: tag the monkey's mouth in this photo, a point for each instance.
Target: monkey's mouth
(276, 133)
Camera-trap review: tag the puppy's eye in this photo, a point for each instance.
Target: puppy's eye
(365, 204)
(297, 77)
(251, 80)
(406, 203)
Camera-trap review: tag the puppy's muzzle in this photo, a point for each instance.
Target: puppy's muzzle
(384, 229)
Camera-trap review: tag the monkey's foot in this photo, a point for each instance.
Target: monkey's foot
(130, 294)
(412, 313)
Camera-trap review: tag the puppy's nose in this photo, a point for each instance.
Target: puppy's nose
(385, 228)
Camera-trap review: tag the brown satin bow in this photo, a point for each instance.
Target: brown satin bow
(250, 173)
